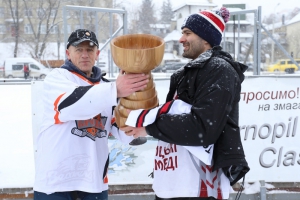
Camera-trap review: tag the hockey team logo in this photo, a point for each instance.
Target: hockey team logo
(91, 128)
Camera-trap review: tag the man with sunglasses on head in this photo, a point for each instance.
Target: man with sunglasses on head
(72, 145)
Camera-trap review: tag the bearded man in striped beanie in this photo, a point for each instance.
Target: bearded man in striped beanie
(210, 84)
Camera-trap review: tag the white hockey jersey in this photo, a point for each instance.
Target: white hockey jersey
(72, 146)
(181, 171)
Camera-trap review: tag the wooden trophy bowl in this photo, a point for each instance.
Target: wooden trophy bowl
(137, 53)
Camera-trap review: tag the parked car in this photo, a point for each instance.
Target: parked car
(13, 68)
(157, 69)
(172, 66)
(250, 67)
(284, 65)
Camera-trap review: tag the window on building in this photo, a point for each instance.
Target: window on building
(229, 46)
(54, 29)
(28, 12)
(2, 29)
(14, 12)
(28, 29)
(13, 30)
(2, 10)
(69, 29)
(43, 29)
(40, 12)
(53, 13)
(243, 28)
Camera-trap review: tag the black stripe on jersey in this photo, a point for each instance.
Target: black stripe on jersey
(141, 118)
(105, 167)
(74, 97)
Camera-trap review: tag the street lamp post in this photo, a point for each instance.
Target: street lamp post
(272, 47)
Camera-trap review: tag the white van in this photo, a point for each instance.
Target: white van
(13, 68)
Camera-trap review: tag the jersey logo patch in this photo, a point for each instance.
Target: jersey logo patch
(91, 128)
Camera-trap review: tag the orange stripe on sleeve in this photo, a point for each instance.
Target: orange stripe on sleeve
(56, 118)
(105, 180)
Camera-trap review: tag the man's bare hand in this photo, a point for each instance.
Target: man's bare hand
(135, 132)
(130, 83)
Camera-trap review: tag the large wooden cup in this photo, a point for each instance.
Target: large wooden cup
(137, 53)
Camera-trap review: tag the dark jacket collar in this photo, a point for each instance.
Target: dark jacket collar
(96, 77)
(216, 51)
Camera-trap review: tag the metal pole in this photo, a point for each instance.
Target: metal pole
(125, 22)
(65, 27)
(110, 56)
(238, 45)
(234, 37)
(258, 31)
(81, 19)
(224, 41)
(263, 195)
(96, 32)
(272, 44)
(255, 44)
(95, 9)
(272, 47)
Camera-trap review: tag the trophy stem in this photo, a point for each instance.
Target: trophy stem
(143, 99)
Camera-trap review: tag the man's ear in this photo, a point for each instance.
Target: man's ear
(207, 45)
(68, 54)
(98, 53)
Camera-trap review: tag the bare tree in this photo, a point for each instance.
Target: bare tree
(46, 21)
(15, 28)
(89, 18)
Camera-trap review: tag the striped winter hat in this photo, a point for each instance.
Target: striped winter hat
(209, 25)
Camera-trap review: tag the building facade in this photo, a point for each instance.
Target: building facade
(38, 22)
(293, 36)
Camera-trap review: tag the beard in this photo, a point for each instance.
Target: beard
(190, 52)
(194, 49)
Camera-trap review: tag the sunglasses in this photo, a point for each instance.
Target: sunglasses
(85, 34)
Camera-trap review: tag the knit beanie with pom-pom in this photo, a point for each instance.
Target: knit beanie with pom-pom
(209, 25)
